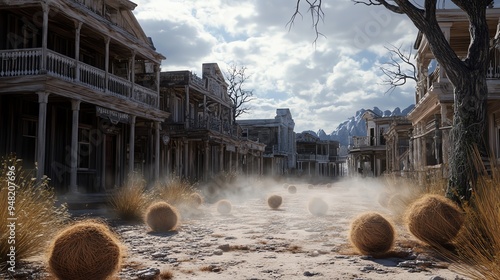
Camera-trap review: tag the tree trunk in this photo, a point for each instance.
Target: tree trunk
(469, 126)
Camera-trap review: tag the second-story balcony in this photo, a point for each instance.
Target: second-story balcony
(367, 143)
(312, 157)
(28, 62)
(210, 124)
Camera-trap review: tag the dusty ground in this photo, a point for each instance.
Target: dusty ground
(255, 242)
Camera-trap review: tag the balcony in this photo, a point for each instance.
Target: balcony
(361, 141)
(28, 62)
(211, 124)
(311, 157)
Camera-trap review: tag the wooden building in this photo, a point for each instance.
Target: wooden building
(79, 92)
(368, 154)
(432, 117)
(279, 139)
(316, 157)
(202, 138)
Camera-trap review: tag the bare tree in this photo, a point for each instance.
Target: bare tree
(399, 70)
(468, 77)
(240, 96)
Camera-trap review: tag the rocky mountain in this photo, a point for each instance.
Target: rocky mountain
(356, 126)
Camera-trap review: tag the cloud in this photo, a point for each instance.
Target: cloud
(323, 82)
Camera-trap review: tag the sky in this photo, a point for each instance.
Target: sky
(322, 83)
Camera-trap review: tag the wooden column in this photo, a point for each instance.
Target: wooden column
(43, 99)
(221, 158)
(157, 151)
(186, 111)
(107, 40)
(131, 146)
(207, 162)
(75, 107)
(205, 117)
(132, 75)
(45, 34)
(186, 157)
(78, 28)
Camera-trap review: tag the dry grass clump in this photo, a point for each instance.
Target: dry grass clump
(34, 207)
(292, 189)
(85, 250)
(477, 246)
(372, 234)
(317, 206)
(175, 191)
(224, 207)
(434, 219)
(161, 217)
(130, 201)
(274, 201)
(166, 274)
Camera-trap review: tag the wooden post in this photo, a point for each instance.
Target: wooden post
(131, 148)
(75, 107)
(107, 40)
(157, 151)
(78, 28)
(43, 99)
(45, 34)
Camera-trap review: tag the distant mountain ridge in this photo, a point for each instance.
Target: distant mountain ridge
(356, 126)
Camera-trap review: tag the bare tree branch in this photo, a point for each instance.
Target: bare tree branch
(390, 7)
(236, 78)
(395, 72)
(317, 16)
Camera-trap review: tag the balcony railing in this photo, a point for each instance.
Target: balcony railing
(211, 124)
(28, 62)
(361, 141)
(313, 157)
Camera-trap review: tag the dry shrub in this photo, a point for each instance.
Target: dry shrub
(166, 274)
(175, 191)
(317, 206)
(372, 234)
(224, 207)
(477, 246)
(130, 201)
(85, 250)
(162, 217)
(34, 207)
(274, 201)
(434, 219)
(292, 189)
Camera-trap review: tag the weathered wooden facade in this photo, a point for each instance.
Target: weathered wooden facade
(398, 146)
(279, 138)
(432, 117)
(316, 157)
(367, 154)
(202, 138)
(79, 92)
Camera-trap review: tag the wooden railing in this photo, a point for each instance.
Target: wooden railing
(361, 141)
(27, 62)
(313, 157)
(20, 62)
(92, 77)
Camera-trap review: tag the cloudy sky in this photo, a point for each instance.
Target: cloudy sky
(322, 84)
